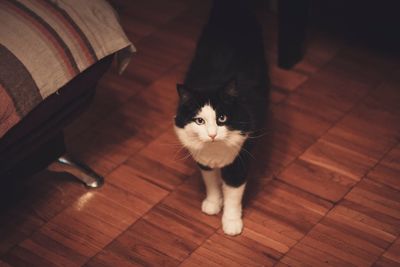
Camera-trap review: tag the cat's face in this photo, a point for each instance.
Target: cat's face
(206, 118)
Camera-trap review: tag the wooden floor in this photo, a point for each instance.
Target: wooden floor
(328, 193)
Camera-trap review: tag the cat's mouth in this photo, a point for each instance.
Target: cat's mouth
(214, 141)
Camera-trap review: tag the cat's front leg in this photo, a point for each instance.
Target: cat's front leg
(234, 177)
(232, 223)
(212, 204)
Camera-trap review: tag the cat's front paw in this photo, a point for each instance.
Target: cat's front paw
(232, 226)
(211, 207)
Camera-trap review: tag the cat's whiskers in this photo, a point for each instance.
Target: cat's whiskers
(245, 150)
(250, 136)
(241, 160)
(171, 144)
(248, 152)
(186, 156)
(179, 150)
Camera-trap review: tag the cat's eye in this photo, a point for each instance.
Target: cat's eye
(199, 121)
(222, 118)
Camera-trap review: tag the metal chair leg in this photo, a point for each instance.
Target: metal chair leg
(79, 170)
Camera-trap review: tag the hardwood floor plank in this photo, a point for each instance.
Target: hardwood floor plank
(139, 190)
(387, 97)
(277, 96)
(24, 257)
(268, 241)
(360, 245)
(85, 235)
(360, 228)
(309, 101)
(304, 255)
(363, 64)
(338, 159)
(43, 243)
(392, 254)
(283, 145)
(47, 195)
(320, 51)
(337, 249)
(353, 230)
(167, 150)
(377, 136)
(377, 197)
(106, 259)
(41, 251)
(287, 79)
(386, 172)
(286, 210)
(200, 258)
(224, 250)
(385, 262)
(361, 142)
(317, 180)
(161, 50)
(186, 201)
(207, 256)
(156, 172)
(186, 228)
(145, 242)
(297, 118)
(368, 216)
(330, 91)
(95, 219)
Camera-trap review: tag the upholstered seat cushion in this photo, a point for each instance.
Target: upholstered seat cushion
(44, 44)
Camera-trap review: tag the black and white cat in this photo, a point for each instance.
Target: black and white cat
(222, 106)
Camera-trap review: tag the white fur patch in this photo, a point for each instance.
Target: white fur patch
(212, 204)
(217, 152)
(232, 223)
(211, 128)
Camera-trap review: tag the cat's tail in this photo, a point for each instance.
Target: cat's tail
(219, 5)
(231, 12)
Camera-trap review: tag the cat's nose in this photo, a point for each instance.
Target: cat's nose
(212, 136)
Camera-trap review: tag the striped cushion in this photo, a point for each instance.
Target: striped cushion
(46, 43)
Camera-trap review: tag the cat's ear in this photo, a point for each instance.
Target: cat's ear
(183, 92)
(230, 89)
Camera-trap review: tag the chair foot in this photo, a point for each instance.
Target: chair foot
(79, 170)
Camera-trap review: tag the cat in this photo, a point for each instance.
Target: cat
(222, 106)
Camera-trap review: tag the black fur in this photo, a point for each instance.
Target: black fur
(203, 167)
(228, 71)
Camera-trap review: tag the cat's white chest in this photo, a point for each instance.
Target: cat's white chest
(215, 154)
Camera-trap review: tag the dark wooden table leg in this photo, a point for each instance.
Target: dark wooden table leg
(292, 23)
